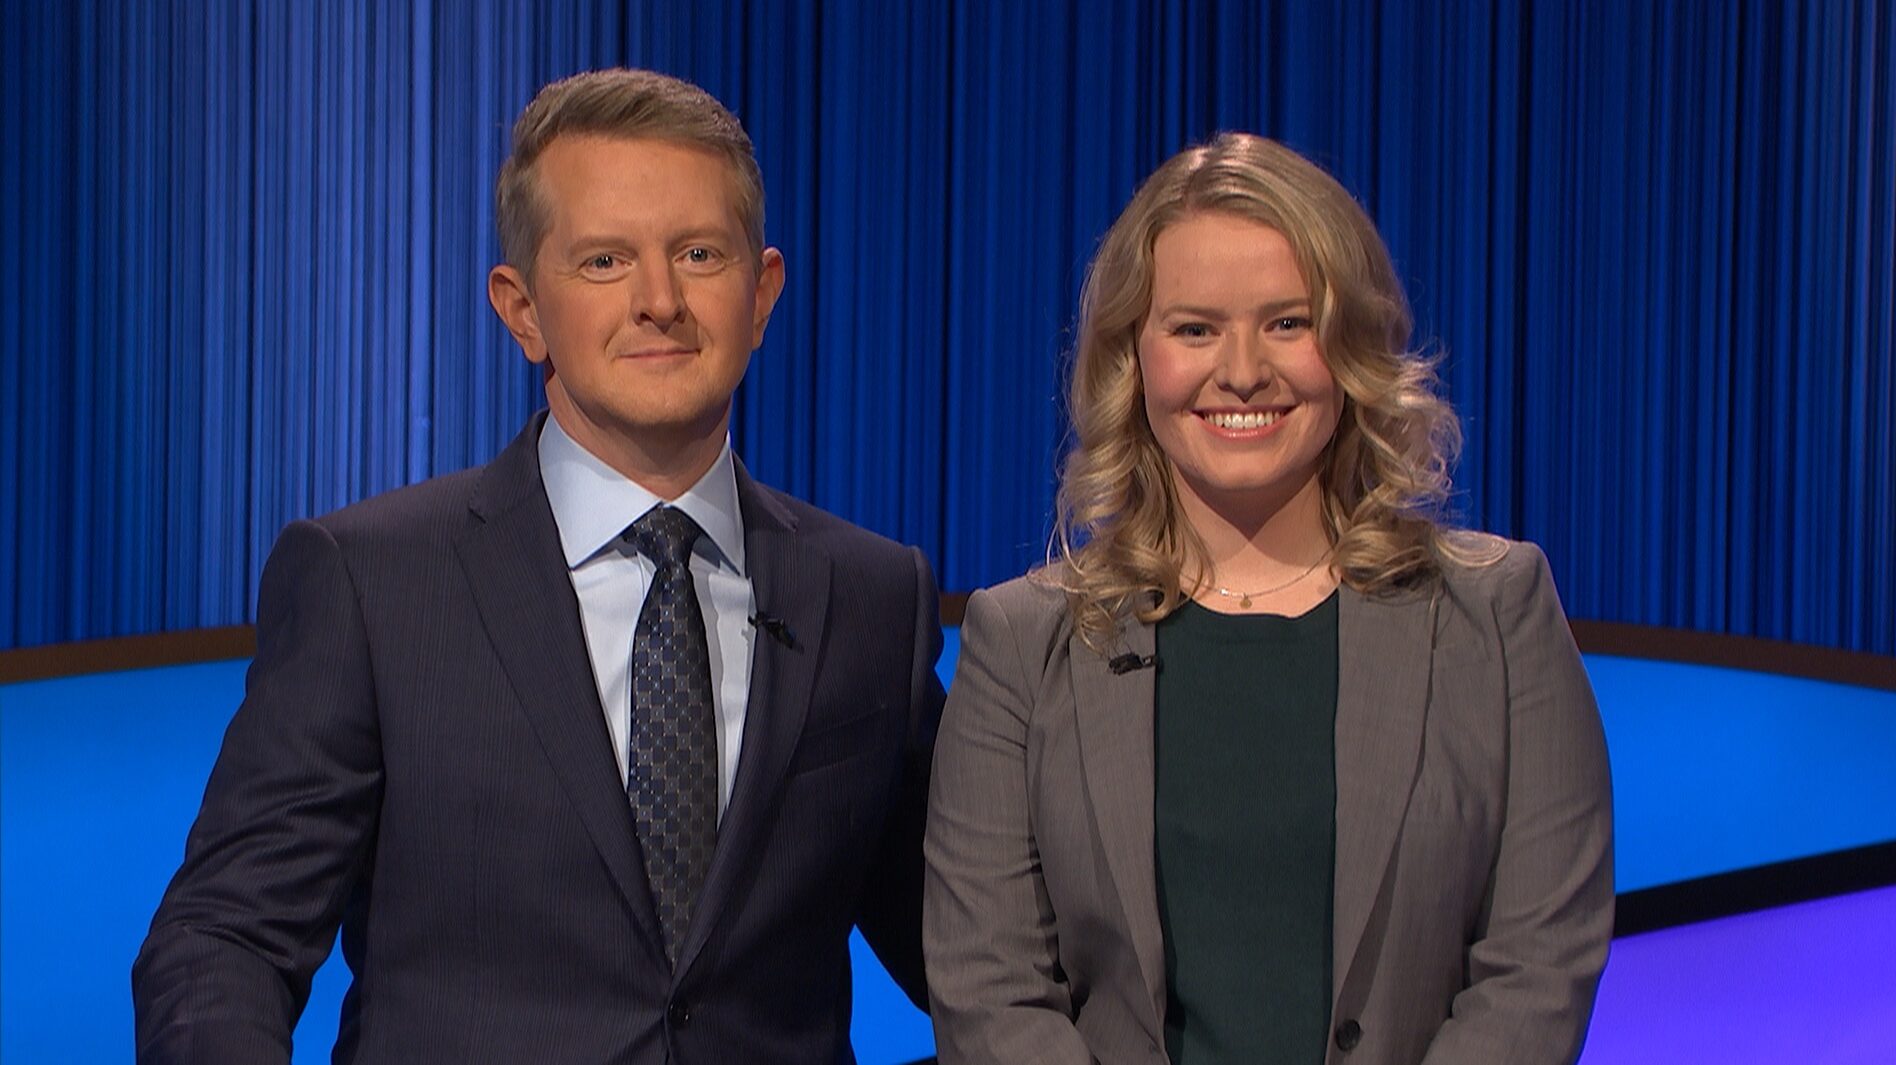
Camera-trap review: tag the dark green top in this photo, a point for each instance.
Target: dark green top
(1245, 832)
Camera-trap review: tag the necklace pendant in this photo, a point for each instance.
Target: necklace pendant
(1244, 602)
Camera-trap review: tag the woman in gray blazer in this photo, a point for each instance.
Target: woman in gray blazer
(1268, 764)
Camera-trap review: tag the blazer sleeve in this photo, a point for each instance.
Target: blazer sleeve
(891, 911)
(993, 960)
(1542, 940)
(284, 831)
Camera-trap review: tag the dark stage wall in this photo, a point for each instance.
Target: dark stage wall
(244, 246)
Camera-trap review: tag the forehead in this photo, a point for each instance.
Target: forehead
(1212, 255)
(590, 179)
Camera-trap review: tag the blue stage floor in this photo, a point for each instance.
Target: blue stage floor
(1713, 770)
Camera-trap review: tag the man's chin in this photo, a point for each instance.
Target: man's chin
(670, 427)
(637, 418)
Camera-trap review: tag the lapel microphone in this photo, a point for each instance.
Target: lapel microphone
(775, 627)
(1126, 663)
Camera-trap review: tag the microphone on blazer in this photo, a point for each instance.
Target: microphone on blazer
(1126, 663)
(775, 627)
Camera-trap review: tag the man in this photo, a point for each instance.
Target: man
(596, 753)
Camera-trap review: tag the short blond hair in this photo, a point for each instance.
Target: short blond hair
(619, 102)
(1120, 544)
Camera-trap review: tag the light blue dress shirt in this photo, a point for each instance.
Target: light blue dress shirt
(592, 505)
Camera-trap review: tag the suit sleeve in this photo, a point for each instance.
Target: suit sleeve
(283, 834)
(891, 912)
(993, 959)
(1542, 941)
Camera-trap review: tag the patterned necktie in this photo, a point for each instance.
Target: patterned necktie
(673, 777)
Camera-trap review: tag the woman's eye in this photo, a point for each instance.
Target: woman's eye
(1290, 323)
(1191, 330)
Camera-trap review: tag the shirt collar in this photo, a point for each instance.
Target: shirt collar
(593, 503)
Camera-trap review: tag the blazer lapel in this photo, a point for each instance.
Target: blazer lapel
(1384, 655)
(791, 584)
(1113, 714)
(513, 562)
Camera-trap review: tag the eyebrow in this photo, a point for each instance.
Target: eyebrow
(1275, 307)
(693, 235)
(594, 242)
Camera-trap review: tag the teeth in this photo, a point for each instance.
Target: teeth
(1245, 420)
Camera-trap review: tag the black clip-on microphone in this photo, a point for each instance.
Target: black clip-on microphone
(775, 627)
(1128, 662)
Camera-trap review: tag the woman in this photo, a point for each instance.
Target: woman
(1268, 765)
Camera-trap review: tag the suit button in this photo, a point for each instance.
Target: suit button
(678, 1014)
(1348, 1034)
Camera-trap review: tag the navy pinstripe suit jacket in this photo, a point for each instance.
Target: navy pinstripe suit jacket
(421, 759)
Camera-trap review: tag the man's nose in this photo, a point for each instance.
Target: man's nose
(656, 296)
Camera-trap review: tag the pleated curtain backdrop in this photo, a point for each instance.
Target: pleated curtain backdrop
(245, 247)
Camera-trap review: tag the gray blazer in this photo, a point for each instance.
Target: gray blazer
(1474, 870)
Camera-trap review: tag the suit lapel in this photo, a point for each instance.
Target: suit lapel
(1384, 654)
(791, 583)
(512, 558)
(1114, 722)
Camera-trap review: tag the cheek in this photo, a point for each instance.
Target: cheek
(1164, 378)
(726, 304)
(569, 317)
(1315, 384)
(1168, 387)
(1331, 406)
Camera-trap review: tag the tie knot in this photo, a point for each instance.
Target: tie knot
(665, 535)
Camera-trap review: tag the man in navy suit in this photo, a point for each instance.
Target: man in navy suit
(596, 753)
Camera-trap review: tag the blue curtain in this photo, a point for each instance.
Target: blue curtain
(244, 248)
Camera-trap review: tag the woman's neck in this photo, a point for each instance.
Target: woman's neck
(1262, 558)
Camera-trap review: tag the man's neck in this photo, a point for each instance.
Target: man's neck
(664, 464)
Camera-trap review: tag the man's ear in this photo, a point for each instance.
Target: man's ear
(507, 290)
(769, 287)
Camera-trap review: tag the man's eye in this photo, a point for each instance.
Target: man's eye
(700, 255)
(602, 261)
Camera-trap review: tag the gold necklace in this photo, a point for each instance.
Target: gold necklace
(1244, 598)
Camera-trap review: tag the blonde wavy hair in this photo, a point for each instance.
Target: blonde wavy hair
(1120, 545)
